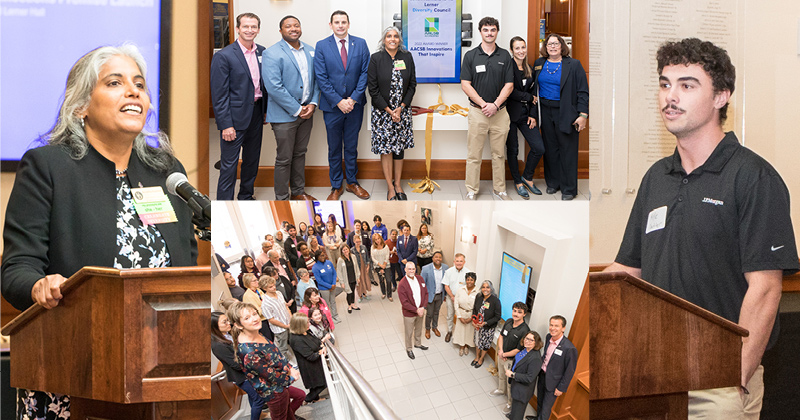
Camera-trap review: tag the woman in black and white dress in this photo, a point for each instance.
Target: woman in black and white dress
(392, 81)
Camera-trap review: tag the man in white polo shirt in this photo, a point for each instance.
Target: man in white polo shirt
(452, 281)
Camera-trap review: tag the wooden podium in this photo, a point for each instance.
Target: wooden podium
(123, 344)
(650, 347)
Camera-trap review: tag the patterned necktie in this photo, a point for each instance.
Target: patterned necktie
(344, 54)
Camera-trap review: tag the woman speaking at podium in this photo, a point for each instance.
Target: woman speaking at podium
(73, 202)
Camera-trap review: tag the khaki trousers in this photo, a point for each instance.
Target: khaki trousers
(413, 327)
(479, 127)
(502, 379)
(726, 403)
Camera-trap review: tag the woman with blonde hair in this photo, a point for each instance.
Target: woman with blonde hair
(254, 296)
(268, 371)
(332, 242)
(309, 351)
(380, 264)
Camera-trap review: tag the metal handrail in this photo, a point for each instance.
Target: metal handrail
(374, 403)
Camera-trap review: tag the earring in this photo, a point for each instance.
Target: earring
(82, 124)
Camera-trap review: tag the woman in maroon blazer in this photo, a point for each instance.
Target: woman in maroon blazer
(413, 305)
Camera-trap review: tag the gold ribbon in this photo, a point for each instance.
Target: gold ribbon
(427, 184)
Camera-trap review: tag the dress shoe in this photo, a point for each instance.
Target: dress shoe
(335, 194)
(422, 347)
(552, 190)
(508, 415)
(438, 334)
(303, 196)
(428, 334)
(567, 197)
(218, 165)
(507, 410)
(531, 417)
(447, 337)
(497, 392)
(410, 354)
(358, 191)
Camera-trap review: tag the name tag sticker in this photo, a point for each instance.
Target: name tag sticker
(505, 332)
(259, 58)
(294, 246)
(153, 206)
(557, 352)
(537, 68)
(322, 271)
(657, 220)
(400, 65)
(524, 82)
(480, 69)
(311, 53)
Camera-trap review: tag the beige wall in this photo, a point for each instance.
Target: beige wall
(183, 100)
(763, 113)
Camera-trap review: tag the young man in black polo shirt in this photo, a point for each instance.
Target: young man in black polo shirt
(711, 223)
(487, 78)
(508, 345)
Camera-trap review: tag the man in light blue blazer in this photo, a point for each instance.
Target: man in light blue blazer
(433, 274)
(288, 72)
(341, 69)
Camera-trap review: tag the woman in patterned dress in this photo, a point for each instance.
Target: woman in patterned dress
(392, 81)
(267, 370)
(72, 205)
(485, 314)
(426, 244)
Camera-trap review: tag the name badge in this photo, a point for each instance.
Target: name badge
(656, 220)
(153, 206)
(259, 58)
(293, 246)
(505, 332)
(480, 69)
(322, 271)
(400, 65)
(537, 68)
(311, 53)
(558, 352)
(524, 82)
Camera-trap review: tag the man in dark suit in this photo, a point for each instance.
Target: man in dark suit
(433, 275)
(341, 66)
(407, 246)
(238, 98)
(560, 358)
(290, 244)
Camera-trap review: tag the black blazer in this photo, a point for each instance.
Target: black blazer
(491, 315)
(379, 78)
(232, 89)
(520, 101)
(561, 367)
(224, 353)
(523, 385)
(574, 91)
(61, 216)
(291, 249)
(309, 362)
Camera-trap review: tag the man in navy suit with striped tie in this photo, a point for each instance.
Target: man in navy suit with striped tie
(340, 65)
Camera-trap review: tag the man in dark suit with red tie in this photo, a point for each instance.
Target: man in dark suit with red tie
(239, 100)
(560, 358)
(407, 246)
(341, 68)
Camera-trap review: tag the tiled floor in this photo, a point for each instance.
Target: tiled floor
(438, 384)
(450, 190)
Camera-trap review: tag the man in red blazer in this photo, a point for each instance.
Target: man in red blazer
(413, 299)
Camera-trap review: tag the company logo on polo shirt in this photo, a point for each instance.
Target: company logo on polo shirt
(432, 27)
(712, 201)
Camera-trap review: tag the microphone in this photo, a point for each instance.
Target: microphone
(178, 184)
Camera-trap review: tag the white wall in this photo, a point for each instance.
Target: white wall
(368, 18)
(552, 237)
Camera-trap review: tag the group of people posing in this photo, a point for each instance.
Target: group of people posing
(284, 84)
(473, 315)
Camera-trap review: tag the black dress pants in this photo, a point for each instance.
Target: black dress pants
(561, 151)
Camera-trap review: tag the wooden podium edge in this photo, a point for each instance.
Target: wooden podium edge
(670, 298)
(76, 279)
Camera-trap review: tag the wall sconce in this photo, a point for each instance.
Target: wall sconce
(467, 235)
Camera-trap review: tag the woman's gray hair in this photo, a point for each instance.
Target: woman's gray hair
(382, 47)
(491, 286)
(68, 130)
